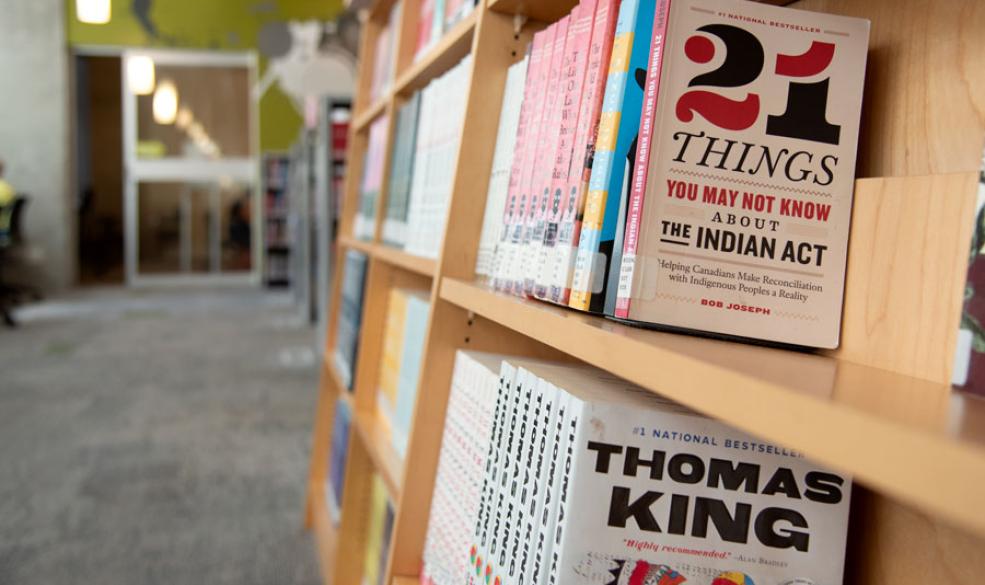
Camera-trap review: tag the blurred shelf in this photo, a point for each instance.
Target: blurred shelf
(375, 438)
(341, 392)
(406, 581)
(544, 11)
(372, 112)
(455, 45)
(910, 438)
(326, 534)
(392, 256)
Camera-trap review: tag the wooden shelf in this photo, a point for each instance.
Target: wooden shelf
(376, 440)
(455, 45)
(326, 535)
(549, 11)
(365, 118)
(406, 581)
(905, 436)
(392, 256)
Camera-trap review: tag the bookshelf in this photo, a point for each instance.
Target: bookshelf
(879, 407)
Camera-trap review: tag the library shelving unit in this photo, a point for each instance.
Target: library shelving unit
(879, 408)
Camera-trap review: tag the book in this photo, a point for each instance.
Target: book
(401, 173)
(553, 202)
(364, 225)
(337, 457)
(377, 539)
(969, 355)
(499, 177)
(742, 228)
(439, 137)
(418, 308)
(425, 21)
(521, 167)
(465, 444)
(618, 128)
(394, 327)
(543, 164)
(350, 316)
(655, 487)
(569, 229)
(384, 55)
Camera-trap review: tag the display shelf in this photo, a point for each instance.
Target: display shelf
(392, 256)
(868, 422)
(452, 47)
(376, 440)
(326, 535)
(364, 119)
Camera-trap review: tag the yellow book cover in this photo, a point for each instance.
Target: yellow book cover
(393, 341)
(374, 540)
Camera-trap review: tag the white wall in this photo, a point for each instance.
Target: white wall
(35, 138)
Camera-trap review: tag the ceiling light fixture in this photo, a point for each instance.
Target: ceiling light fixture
(165, 102)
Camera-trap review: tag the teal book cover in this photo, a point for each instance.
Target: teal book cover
(415, 327)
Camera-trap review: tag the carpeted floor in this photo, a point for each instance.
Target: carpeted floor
(156, 438)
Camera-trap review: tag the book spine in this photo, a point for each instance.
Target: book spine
(484, 521)
(634, 211)
(547, 467)
(495, 555)
(603, 31)
(573, 76)
(572, 429)
(522, 529)
(619, 126)
(543, 163)
(527, 137)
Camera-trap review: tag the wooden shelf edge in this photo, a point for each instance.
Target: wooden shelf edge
(341, 392)
(326, 533)
(406, 581)
(377, 444)
(366, 117)
(392, 256)
(909, 438)
(453, 46)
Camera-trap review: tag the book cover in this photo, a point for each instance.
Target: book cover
(499, 177)
(593, 90)
(415, 328)
(543, 163)
(364, 227)
(555, 200)
(337, 457)
(520, 168)
(391, 362)
(618, 128)
(743, 227)
(401, 173)
(969, 355)
(350, 316)
(656, 489)
(378, 504)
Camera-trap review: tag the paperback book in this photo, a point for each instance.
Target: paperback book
(350, 316)
(741, 224)
(364, 225)
(969, 355)
(401, 173)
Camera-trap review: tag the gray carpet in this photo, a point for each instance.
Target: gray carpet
(156, 438)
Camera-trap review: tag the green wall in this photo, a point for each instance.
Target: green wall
(208, 24)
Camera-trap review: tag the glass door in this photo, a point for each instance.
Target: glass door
(190, 143)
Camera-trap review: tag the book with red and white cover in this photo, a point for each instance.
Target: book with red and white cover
(572, 79)
(743, 227)
(543, 163)
(532, 112)
(593, 89)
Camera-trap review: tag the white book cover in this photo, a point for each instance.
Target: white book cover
(659, 494)
(547, 454)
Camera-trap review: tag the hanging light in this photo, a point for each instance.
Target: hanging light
(93, 11)
(140, 74)
(184, 118)
(165, 102)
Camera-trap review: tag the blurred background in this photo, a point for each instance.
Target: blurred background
(170, 175)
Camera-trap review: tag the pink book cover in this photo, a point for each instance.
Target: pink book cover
(525, 133)
(576, 63)
(593, 90)
(424, 25)
(522, 197)
(641, 167)
(543, 167)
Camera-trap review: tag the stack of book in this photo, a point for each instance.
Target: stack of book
(403, 343)
(364, 224)
(426, 142)
(683, 164)
(350, 316)
(337, 457)
(379, 530)
(436, 18)
(384, 52)
(586, 479)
